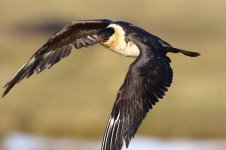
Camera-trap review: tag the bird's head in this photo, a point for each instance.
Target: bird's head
(112, 37)
(104, 35)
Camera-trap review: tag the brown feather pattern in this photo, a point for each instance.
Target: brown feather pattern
(79, 33)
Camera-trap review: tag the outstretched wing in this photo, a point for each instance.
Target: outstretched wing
(79, 33)
(146, 81)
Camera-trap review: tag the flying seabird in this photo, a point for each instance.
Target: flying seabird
(146, 81)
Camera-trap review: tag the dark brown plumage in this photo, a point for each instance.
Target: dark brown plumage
(78, 34)
(147, 79)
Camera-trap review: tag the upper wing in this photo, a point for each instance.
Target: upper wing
(146, 81)
(79, 33)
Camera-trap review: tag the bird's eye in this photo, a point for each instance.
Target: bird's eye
(109, 32)
(105, 34)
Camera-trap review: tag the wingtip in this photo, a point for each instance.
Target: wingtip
(3, 95)
(7, 88)
(5, 92)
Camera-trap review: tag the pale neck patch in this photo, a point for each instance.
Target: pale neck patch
(118, 44)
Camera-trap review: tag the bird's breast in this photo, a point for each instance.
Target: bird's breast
(120, 46)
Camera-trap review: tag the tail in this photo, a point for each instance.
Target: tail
(185, 52)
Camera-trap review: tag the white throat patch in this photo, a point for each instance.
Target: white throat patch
(118, 44)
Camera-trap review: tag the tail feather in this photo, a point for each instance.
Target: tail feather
(185, 52)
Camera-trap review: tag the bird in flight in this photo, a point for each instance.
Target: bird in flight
(146, 81)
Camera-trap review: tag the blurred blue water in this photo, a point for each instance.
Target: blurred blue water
(20, 141)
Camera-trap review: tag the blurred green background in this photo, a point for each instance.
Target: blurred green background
(75, 97)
